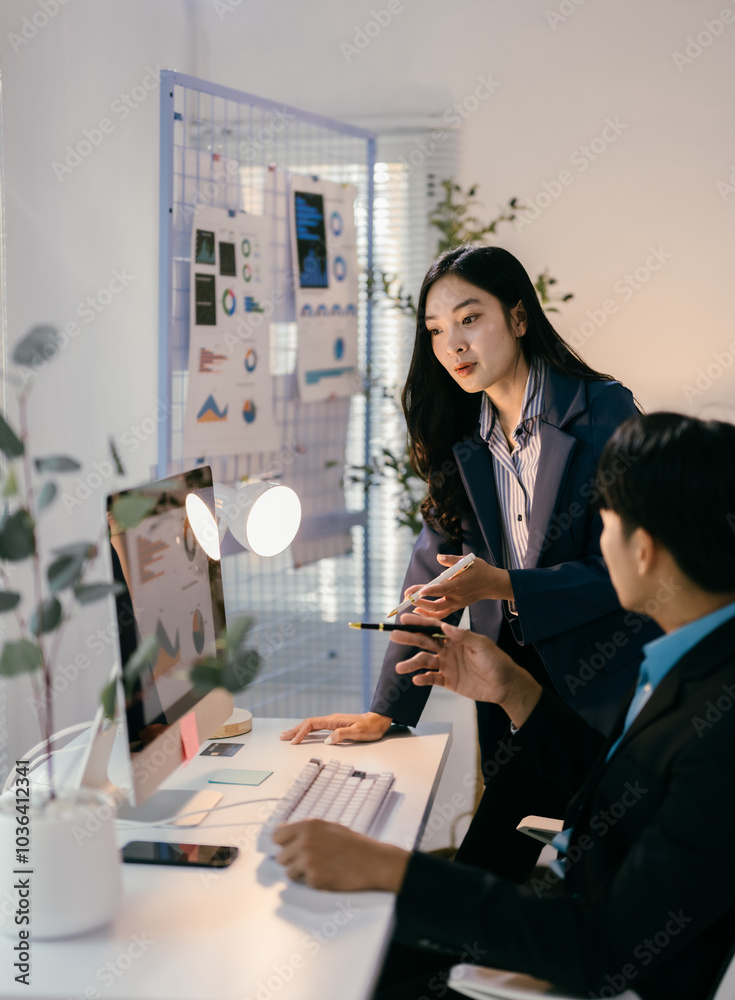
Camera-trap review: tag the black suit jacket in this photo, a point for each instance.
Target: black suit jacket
(648, 902)
(567, 606)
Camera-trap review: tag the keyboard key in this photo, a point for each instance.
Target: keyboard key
(334, 791)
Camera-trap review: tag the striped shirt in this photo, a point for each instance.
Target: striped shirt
(515, 471)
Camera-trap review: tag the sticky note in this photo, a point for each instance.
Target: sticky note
(232, 776)
(189, 736)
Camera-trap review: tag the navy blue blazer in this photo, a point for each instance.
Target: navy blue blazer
(648, 902)
(566, 604)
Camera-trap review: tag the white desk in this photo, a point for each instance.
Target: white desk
(246, 932)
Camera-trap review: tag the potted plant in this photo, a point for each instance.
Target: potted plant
(62, 883)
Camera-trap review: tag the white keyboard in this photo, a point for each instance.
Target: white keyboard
(333, 791)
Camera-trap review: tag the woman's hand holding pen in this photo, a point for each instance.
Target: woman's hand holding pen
(472, 665)
(479, 582)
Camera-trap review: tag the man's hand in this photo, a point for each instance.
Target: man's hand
(329, 856)
(364, 728)
(472, 665)
(479, 582)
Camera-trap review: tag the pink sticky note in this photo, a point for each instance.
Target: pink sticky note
(189, 736)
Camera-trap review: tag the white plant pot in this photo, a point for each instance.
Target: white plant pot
(75, 882)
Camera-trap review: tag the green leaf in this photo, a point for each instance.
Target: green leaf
(8, 600)
(87, 593)
(19, 657)
(236, 633)
(241, 670)
(108, 699)
(10, 486)
(17, 540)
(129, 510)
(10, 444)
(143, 658)
(57, 463)
(206, 674)
(115, 456)
(64, 572)
(46, 495)
(80, 550)
(40, 344)
(46, 616)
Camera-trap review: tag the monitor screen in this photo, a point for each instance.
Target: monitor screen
(173, 591)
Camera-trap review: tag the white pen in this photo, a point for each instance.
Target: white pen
(448, 573)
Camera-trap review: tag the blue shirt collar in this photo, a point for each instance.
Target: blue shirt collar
(660, 655)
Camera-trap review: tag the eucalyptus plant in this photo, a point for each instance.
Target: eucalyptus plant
(454, 219)
(56, 593)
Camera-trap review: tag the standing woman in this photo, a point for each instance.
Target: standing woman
(506, 424)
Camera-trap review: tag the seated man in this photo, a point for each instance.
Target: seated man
(647, 897)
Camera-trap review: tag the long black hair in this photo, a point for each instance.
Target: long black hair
(438, 412)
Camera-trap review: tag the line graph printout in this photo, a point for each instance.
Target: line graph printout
(229, 407)
(324, 255)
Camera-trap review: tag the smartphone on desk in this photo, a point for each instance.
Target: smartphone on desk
(149, 852)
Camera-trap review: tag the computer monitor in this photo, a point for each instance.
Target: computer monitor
(173, 590)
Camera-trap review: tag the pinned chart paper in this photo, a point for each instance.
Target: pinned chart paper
(229, 408)
(324, 255)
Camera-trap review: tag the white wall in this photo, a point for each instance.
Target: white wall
(655, 185)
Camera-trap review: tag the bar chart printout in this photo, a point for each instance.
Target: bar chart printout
(229, 409)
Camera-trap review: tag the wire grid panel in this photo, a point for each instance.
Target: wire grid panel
(233, 150)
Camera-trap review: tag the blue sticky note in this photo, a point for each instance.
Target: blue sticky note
(232, 776)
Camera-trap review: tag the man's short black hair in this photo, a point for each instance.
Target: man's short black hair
(674, 476)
